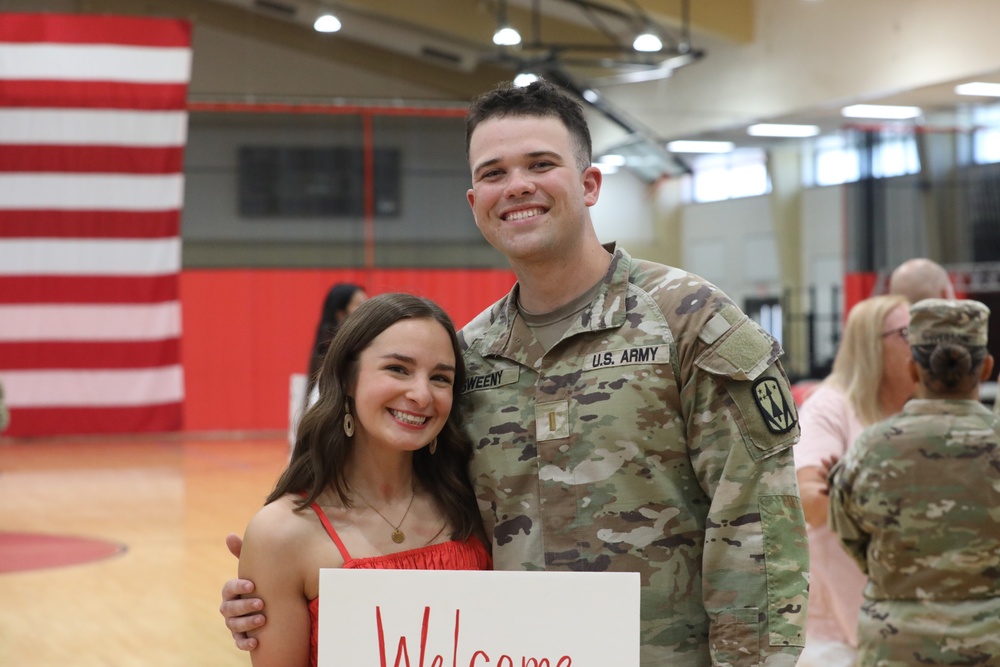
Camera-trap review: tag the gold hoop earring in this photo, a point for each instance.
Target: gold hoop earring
(433, 447)
(348, 421)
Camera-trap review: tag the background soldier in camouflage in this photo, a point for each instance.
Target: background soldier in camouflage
(626, 416)
(916, 500)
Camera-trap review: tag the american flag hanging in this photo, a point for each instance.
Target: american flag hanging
(92, 132)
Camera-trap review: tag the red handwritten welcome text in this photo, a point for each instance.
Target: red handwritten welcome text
(479, 657)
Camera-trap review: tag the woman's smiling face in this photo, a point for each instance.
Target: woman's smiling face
(403, 389)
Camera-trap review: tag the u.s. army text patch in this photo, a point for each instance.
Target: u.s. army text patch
(644, 354)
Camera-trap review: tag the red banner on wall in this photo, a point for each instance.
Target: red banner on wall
(92, 131)
(246, 331)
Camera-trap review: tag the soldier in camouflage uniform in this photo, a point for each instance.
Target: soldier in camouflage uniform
(915, 503)
(641, 424)
(626, 416)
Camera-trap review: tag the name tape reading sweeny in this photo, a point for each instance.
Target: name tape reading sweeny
(497, 378)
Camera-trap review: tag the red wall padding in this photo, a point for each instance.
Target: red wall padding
(858, 286)
(247, 331)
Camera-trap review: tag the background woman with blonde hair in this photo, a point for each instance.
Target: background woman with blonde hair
(869, 382)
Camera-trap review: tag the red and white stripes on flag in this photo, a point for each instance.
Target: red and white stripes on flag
(93, 124)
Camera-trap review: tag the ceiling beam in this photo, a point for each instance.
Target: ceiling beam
(448, 81)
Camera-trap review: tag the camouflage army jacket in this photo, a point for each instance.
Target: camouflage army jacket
(655, 437)
(916, 502)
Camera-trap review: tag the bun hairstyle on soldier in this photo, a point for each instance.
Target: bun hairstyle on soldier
(950, 367)
(948, 341)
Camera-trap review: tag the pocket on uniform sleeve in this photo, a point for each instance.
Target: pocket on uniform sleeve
(783, 526)
(744, 362)
(734, 637)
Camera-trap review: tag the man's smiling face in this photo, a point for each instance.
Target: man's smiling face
(528, 195)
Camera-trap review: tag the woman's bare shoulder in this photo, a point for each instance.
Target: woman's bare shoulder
(280, 523)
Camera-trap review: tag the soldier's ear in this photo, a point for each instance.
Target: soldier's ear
(987, 368)
(914, 370)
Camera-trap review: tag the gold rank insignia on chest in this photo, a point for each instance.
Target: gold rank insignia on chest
(551, 420)
(775, 405)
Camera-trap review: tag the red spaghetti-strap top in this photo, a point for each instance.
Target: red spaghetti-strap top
(451, 555)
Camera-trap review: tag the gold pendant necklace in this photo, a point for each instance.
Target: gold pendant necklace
(398, 536)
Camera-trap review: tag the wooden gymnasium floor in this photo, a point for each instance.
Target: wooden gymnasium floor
(170, 501)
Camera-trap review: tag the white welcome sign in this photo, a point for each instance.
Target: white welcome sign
(439, 618)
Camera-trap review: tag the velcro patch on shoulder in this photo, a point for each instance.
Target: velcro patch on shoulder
(714, 328)
(743, 353)
(721, 322)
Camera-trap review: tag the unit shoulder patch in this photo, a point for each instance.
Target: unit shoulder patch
(775, 406)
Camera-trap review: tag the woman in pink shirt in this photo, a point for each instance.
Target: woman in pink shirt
(869, 382)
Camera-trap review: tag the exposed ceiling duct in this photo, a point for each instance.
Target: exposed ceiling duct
(615, 56)
(644, 152)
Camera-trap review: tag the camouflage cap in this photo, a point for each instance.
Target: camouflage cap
(934, 321)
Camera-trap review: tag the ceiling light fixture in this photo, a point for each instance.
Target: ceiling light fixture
(980, 88)
(647, 42)
(880, 111)
(327, 23)
(782, 130)
(700, 146)
(505, 35)
(525, 79)
(637, 48)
